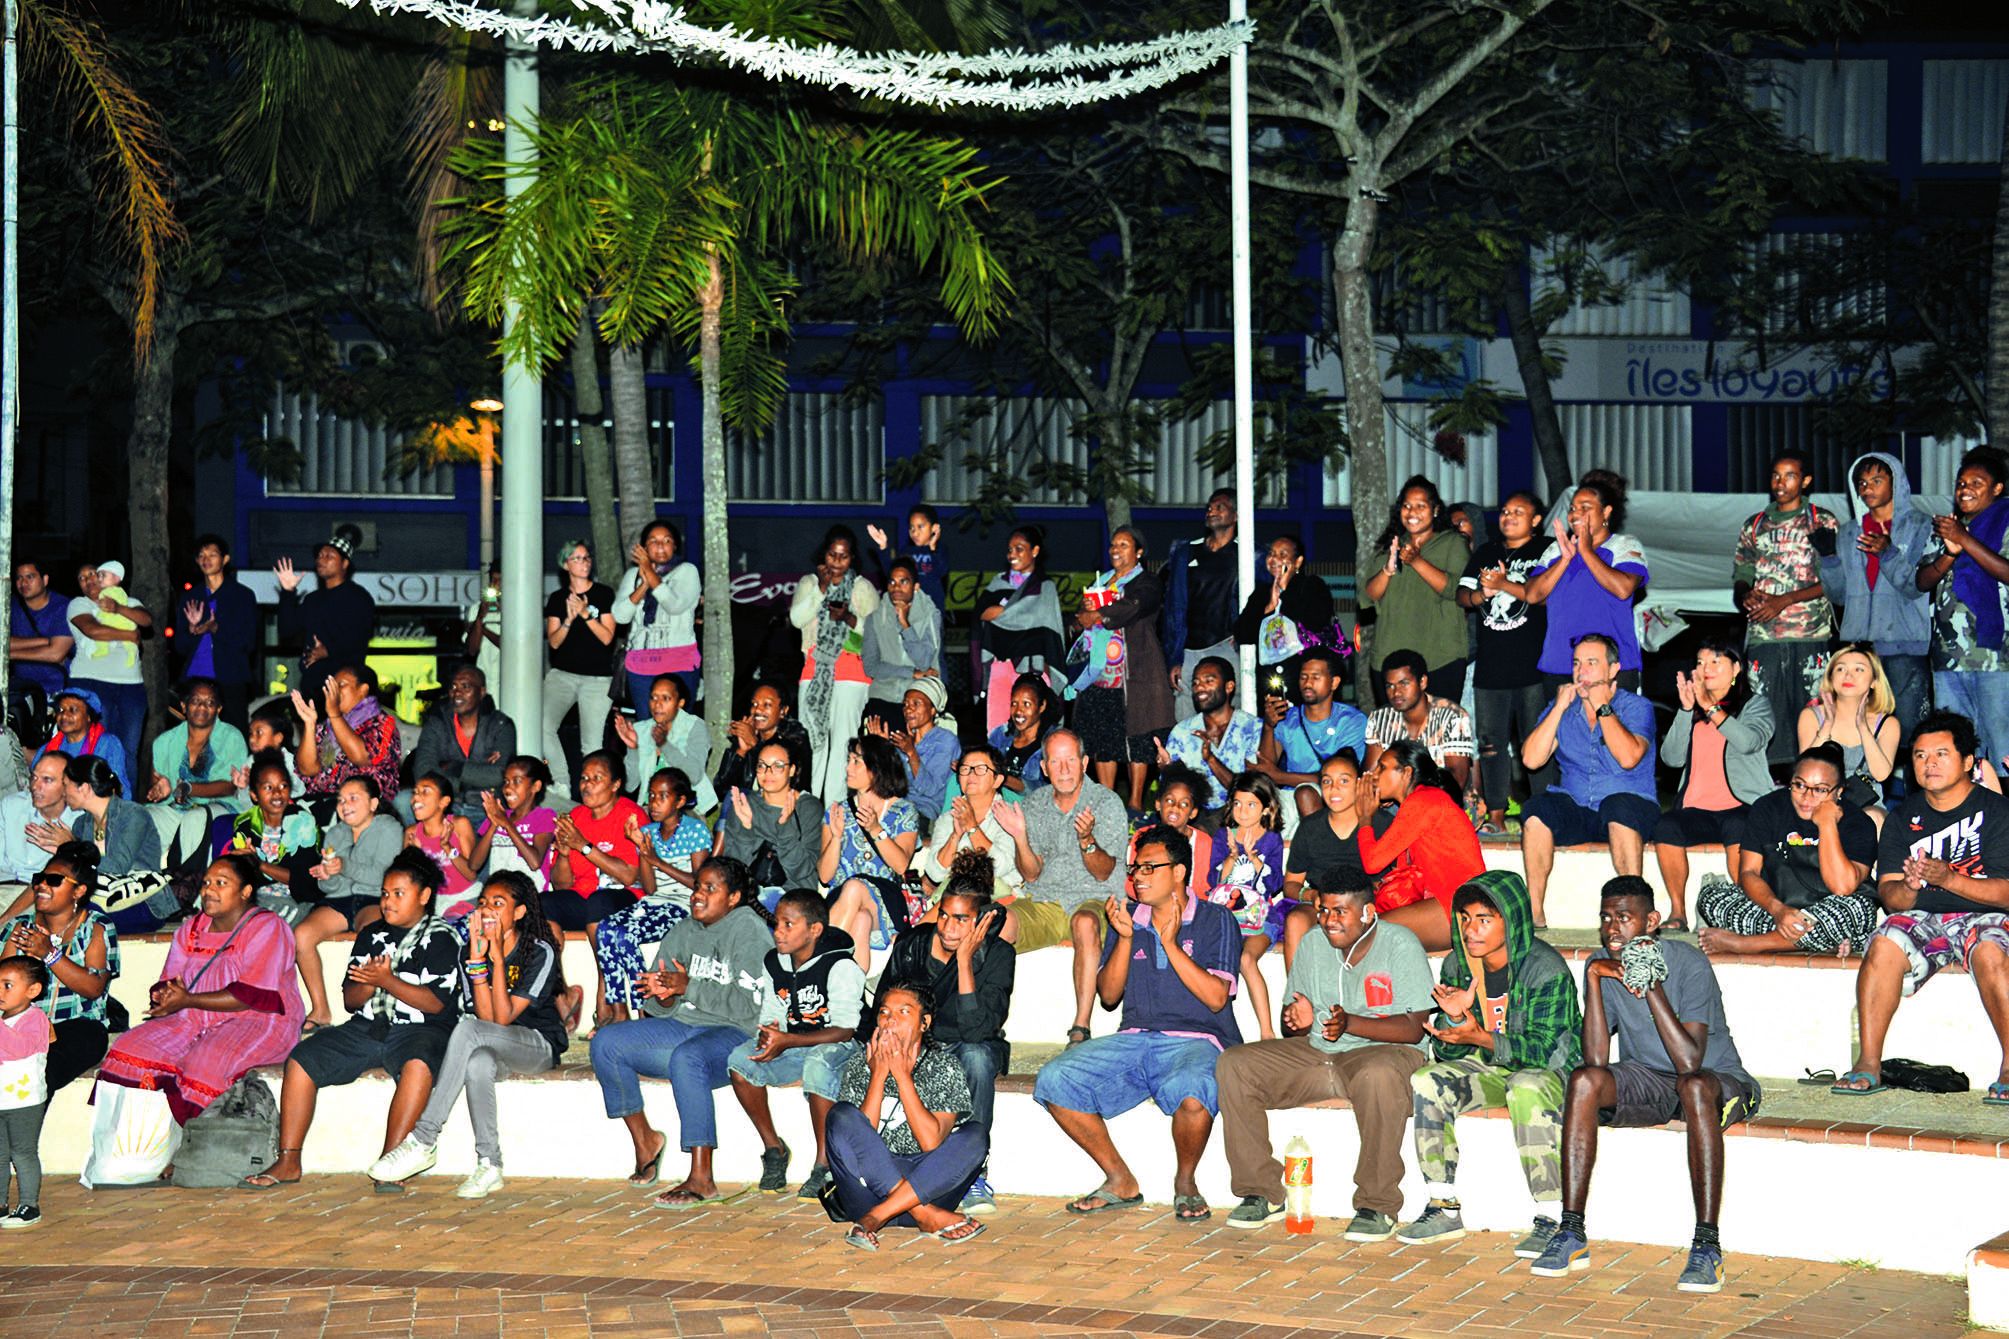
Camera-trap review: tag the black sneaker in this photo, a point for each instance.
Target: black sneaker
(26, 1216)
(812, 1185)
(774, 1170)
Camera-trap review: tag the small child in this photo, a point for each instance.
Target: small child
(448, 839)
(1180, 790)
(667, 865)
(510, 1025)
(521, 818)
(814, 993)
(1248, 880)
(111, 574)
(25, 1035)
(271, 732)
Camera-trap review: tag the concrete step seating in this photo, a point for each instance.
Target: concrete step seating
(1815, 1188)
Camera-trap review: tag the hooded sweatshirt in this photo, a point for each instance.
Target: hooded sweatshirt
(724, 963)
(959, 1018)
(1891, 613)
(828, 991)
(1544, 1024)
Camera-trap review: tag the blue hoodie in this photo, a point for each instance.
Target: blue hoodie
(1895, 615)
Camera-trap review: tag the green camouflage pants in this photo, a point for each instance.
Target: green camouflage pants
(1533, 1099)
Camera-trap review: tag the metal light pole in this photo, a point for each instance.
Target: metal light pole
(1245, 375)
(488, 408)
(522, 454)
(10, 306)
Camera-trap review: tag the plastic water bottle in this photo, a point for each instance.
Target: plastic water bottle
(1297, 1185)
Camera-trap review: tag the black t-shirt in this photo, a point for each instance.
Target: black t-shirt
(434, 962)
(1213, 593)
(581, 652)
(532, 973)
(1510, 630)
(1972, 837)
(1791, 847)
(1315, 850)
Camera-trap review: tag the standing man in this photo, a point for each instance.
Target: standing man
(333, 622)
(1170, 960)
(1218, 740)
(220, 619)
(1778, 586)
(1202, 597)
(1871, 573)
(1297, 742)
(39, 640)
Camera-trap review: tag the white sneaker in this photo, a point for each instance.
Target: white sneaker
(407, 1160)
(485, 1180)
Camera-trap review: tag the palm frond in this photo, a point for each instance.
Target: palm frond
(135, 176)
(456, 96)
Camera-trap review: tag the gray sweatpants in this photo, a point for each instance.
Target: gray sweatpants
(21, 1144)
(480, 1055)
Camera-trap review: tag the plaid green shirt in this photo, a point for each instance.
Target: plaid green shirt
(59, 1002)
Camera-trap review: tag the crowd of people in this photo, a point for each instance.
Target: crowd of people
(842, 901)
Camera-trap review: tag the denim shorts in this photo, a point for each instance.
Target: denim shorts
(1109, 1075)
(819, 1069)
(1575, 825)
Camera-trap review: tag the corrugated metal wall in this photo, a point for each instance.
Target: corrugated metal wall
(1650, 308)
(1962, 121)
(1834, 297)
(1410, 452)
(1017, 427)
(1759, 432)
(1939, 463)
(344, 458)
(1837, 106)
(1651, 445)
(820, 448)
(564, 472)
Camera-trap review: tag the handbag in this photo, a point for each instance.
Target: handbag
(233, 1137)
(1401, 886)
(765, 868)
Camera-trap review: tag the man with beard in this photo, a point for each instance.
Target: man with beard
(1202, 597)
(1297, 742)
(1218, 740)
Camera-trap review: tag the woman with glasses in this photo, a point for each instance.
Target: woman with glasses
(1718, 739)
(1857, 710)
(975, 821)
(773, 829)
(579, 630)
(81, 950)
(1803, 875)
(868, 845)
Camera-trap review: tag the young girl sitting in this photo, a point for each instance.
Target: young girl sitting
(355, 851)
(1248, 880)
(1180, 790)
(517, 829)
(280, 835)
(513, 980)
(667, 858)
(25, 1034)
(446, 839)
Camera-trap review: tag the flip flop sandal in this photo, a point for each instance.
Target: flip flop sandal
(663, 1201)
(1101, 1201)
(649, 1172)
(962, 1230)
(1675, 927)
(1996, 1096)
(265, 1181)
(1842, 1087)
(1819, 1078)
(310, 1027)
(1077, 1035)
(1191, 1208)
(863, 1240)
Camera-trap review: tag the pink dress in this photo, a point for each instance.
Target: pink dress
(193, 1056)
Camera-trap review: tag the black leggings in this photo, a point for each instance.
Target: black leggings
(80, 1043)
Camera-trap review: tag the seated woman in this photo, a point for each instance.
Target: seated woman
(868, 846)
(903, 1147)
(1803, 880)
(518, 830)
(1021, 740)
(403, 997)
(1857, 711)
(133, 888)
(1718, 739)
(925, 743)
(81, 733)
(694, 1024)
(969, 969)
(226, 1003)
(359, 847)
(82, 952)
(192, 769)
(448, 839)
(668, 853)
(777, 819)
(280, 835)
(671, 737)
(595, 874)
(514, 978)
(1428, 852)
(346, 734)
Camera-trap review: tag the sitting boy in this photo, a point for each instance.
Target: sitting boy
(403, 995)
(1661, 998)
(809, 1010)
(1508, 1044)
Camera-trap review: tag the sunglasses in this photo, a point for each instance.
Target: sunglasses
(50, 879)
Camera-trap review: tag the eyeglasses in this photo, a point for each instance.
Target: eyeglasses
(51, 879)
(771, 765)
(1799, 787)
(580, 558)
(975, 769)
(1139, 868)
(209, 702)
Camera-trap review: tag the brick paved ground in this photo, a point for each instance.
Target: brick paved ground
(592, 1259)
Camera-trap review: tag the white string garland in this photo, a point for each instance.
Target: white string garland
(926, 78)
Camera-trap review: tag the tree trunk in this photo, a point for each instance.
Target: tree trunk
(146, 510)
(1998, 309)
(1366, 420)
(1549, 446)
(718, 666)
(595, 457)
(627, 376)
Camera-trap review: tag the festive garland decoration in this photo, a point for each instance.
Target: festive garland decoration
(1052, 78)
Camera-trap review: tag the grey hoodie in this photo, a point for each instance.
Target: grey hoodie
(1894, 615)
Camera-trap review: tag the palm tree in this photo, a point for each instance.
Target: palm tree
(673, 206)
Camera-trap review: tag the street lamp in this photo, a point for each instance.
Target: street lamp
(488, 407)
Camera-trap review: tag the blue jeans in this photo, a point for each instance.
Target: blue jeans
(1982, 696)
(1109, 1075)
(982, 1062)
(692, 1058)
(865, 1170)
(1911, 683)
(124, 716)
(819, 1069)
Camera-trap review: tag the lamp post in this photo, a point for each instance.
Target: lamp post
(488, 407)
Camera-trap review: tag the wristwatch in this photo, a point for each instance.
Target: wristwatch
(1604, 711)
(1090, 847)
